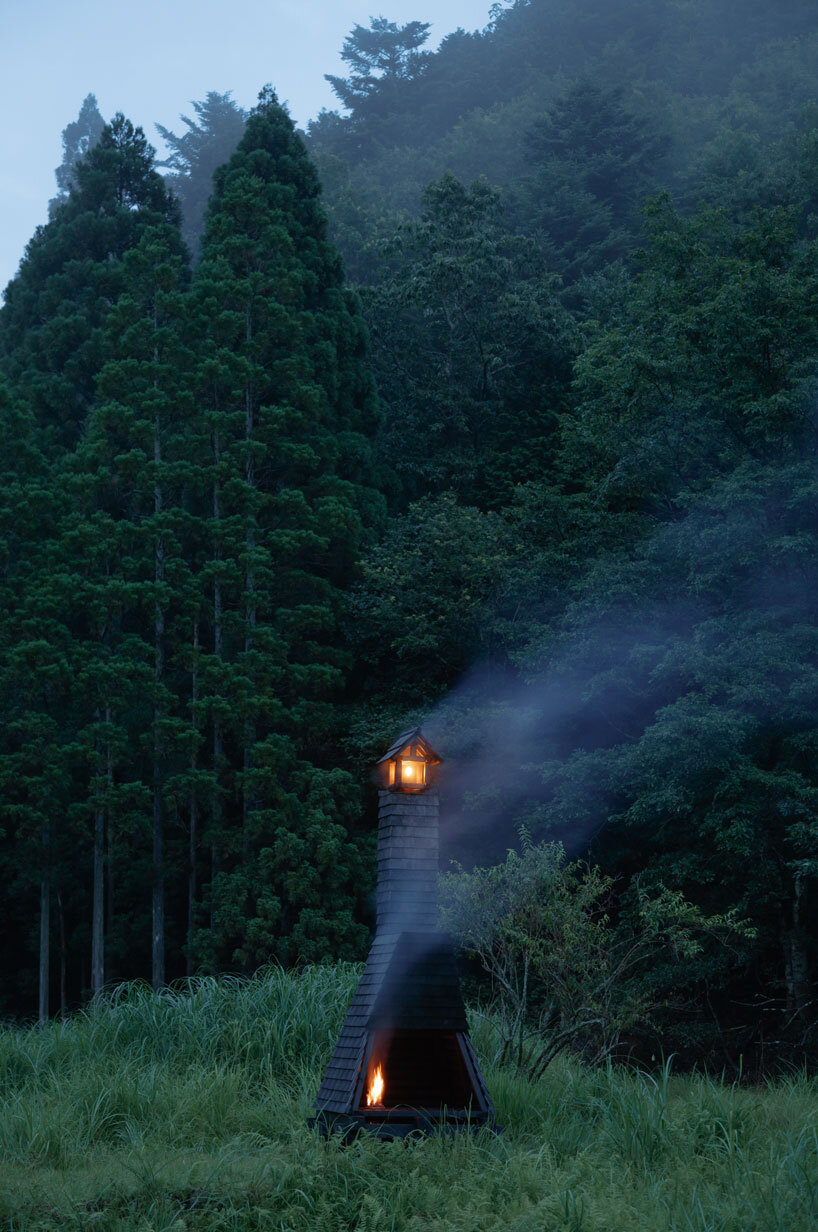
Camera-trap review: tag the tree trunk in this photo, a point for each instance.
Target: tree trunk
(98, 897)
(63, 958)
(109, 870)
(158, 903)
(250, 603)
(158, 932)
(98, 887)
(191, 868)
(796, 954)
(217, 650)
(109, 861)
(45, 927)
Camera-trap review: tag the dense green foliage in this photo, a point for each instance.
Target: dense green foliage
(189, 481)
(289, 410)
(578, 535)
(619, 576)
(562, 973)
(469, 340)
(187, 1111)
(71, 274)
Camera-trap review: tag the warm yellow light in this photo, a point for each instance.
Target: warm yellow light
(412, 773)
(375, 1093)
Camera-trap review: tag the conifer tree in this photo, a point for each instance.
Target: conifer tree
(77, 139)
(51, 341)
(28, 735)
(289, 408)
(472, 343)
(134, 461)
(379, 58)
(594, 161)
(196, 154)
(613, 152)
(75, 681)
(35, 674)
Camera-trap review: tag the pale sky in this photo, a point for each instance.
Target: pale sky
(149, 59)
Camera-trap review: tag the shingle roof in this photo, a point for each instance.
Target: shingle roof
(407, 737)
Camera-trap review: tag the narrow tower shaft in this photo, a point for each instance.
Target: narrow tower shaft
(408, 855)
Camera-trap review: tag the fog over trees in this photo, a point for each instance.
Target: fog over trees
(487, 401)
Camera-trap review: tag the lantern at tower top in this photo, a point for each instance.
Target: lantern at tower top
(408, 763)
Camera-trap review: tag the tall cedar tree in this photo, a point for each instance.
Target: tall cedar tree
(51, 338)
(69, 600)
(131, 482)
(33, 673)
(289, 408)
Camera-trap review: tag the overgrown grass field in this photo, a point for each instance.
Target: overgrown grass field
(187, 1111)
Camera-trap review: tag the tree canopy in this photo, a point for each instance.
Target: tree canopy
(77, 139)
(195, 155)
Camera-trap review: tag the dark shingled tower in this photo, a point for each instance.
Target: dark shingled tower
(406, 1023)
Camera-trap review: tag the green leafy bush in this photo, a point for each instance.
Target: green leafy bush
(563, 972)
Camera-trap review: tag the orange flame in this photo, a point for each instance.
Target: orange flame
(376, 1088)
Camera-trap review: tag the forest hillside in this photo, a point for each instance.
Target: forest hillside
(487, 402)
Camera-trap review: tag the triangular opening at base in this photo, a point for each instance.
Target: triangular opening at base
(417, 1069)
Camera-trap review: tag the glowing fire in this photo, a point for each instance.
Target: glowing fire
(408, 770)
(376, 1088)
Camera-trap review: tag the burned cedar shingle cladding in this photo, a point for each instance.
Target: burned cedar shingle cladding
(410, 986)
(410, 980)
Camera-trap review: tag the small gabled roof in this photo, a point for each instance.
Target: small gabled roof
(412, 736)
